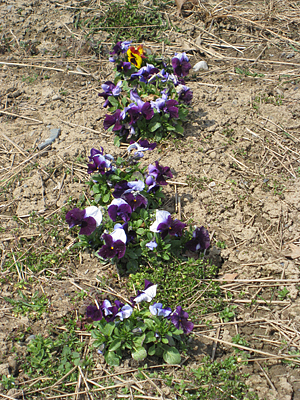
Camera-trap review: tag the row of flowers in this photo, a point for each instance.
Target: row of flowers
(148, 97)
(118, 224)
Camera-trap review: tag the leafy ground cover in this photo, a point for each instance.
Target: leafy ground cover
(234, 171)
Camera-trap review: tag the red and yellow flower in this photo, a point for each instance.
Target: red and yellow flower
(135, 56)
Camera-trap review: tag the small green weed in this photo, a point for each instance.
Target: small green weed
(8, 382)
(246, 72)
(186, 287)
(125, 21)
(217, 380)
(30, 79)
(36, 303)
(55, 357)
(282, 294)
(228, 313)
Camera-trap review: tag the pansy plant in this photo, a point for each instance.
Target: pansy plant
(146, 330)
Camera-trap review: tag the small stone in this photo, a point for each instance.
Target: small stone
(9, 7)
(56, 97)
(200, 65)
(29, 339)
(234, 102)
(46, 143)
(290, 55)
(54, 133)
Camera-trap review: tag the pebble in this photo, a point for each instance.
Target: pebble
(200, 65)
(56, 97)
(30, 338)
(54, 134)
(290, 55)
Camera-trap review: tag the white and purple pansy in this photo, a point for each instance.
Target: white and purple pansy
(119, 208)
(157, 309)
(88, 219)
(164, 224)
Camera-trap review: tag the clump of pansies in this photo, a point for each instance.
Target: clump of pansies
(126, 224)
(143, 330)
(148, 98)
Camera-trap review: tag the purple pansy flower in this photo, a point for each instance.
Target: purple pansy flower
(159, 173)
(110, 90)
(115, 244)
(145, 73)
(164, 224)
(124, 187)
(120, 47)
(184, 93)
(147, 294)
(120, 188)
(139, 108)
(200, 240)
(115, 119)
(100, 162)
(166, 106)
(180, 64)
(180, 319)
(142, 145)
(105, 306)
(130, 234)
(151, 245)
(124, 66)
(125, 312)
(157, 309)
(135, 201)
(88, 219)
(110, 311)
(119, 208)
(94, 313)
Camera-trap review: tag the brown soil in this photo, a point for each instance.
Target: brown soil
(239, 155)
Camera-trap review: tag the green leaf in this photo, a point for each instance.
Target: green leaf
(117, 141)
(150, 337)
(113, 101)
(172, 356)
(151, 350)
(179, 129)
(106, 198)
(139, 354)
(140, 231)
(115, 344)
(107, 330)
(112, 358)
(154, 127)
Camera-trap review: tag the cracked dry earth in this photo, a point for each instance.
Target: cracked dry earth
(238, 163)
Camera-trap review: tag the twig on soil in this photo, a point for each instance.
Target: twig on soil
(21, 116)
(250, 349)
(83, 127)
(153, 384)
(215, 344)
(90, 396)
(43, 67)
(267, 377)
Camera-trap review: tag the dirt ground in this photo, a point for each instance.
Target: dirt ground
(238, 162)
